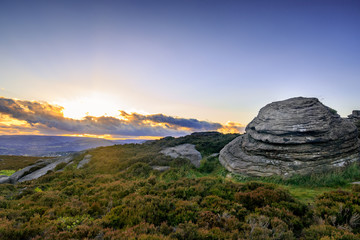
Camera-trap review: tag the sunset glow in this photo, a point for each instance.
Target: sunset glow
(95, 104)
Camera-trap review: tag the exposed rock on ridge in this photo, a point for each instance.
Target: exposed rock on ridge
(41, 168)
(185, 151)
(298, 135)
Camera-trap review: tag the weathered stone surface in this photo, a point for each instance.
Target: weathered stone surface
(29, 169)
(86, 160)
(298, 135)
(185, 151)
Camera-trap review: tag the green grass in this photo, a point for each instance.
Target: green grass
(7, 172)
(306, 194)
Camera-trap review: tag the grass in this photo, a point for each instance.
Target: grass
(337, 178)
(306, 194)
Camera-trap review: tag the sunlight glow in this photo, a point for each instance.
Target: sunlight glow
(105, 136)
(95, 104)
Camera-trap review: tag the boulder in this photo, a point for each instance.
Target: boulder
(294, 136)
(187, 151)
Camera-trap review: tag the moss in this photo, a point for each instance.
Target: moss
(7, 172)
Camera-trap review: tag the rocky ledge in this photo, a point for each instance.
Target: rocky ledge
(294, 136)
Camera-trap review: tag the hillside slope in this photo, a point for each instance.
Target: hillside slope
(118, 195)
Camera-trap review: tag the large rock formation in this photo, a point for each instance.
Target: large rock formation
(298, 135)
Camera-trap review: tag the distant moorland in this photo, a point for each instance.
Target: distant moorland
(36, 145)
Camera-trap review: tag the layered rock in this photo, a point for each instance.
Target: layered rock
(294, 136)
(355, 115)
(355, 118)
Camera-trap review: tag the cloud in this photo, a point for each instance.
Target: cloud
(173, 121)
(43, 118)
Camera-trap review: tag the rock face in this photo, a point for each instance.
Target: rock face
(185, 151)
(294, 136)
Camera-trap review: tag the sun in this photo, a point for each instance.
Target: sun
(93, 104)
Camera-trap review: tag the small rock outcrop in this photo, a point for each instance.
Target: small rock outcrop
(294, 136)
(85, 160)
(37, 169)
(187, 151)
(44, 170)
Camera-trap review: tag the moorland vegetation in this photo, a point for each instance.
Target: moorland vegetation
(118, 195)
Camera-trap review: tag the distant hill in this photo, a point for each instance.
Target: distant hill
(35, 145)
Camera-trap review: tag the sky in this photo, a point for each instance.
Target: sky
(131, 69)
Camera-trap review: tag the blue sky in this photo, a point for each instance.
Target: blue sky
(216, 61)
